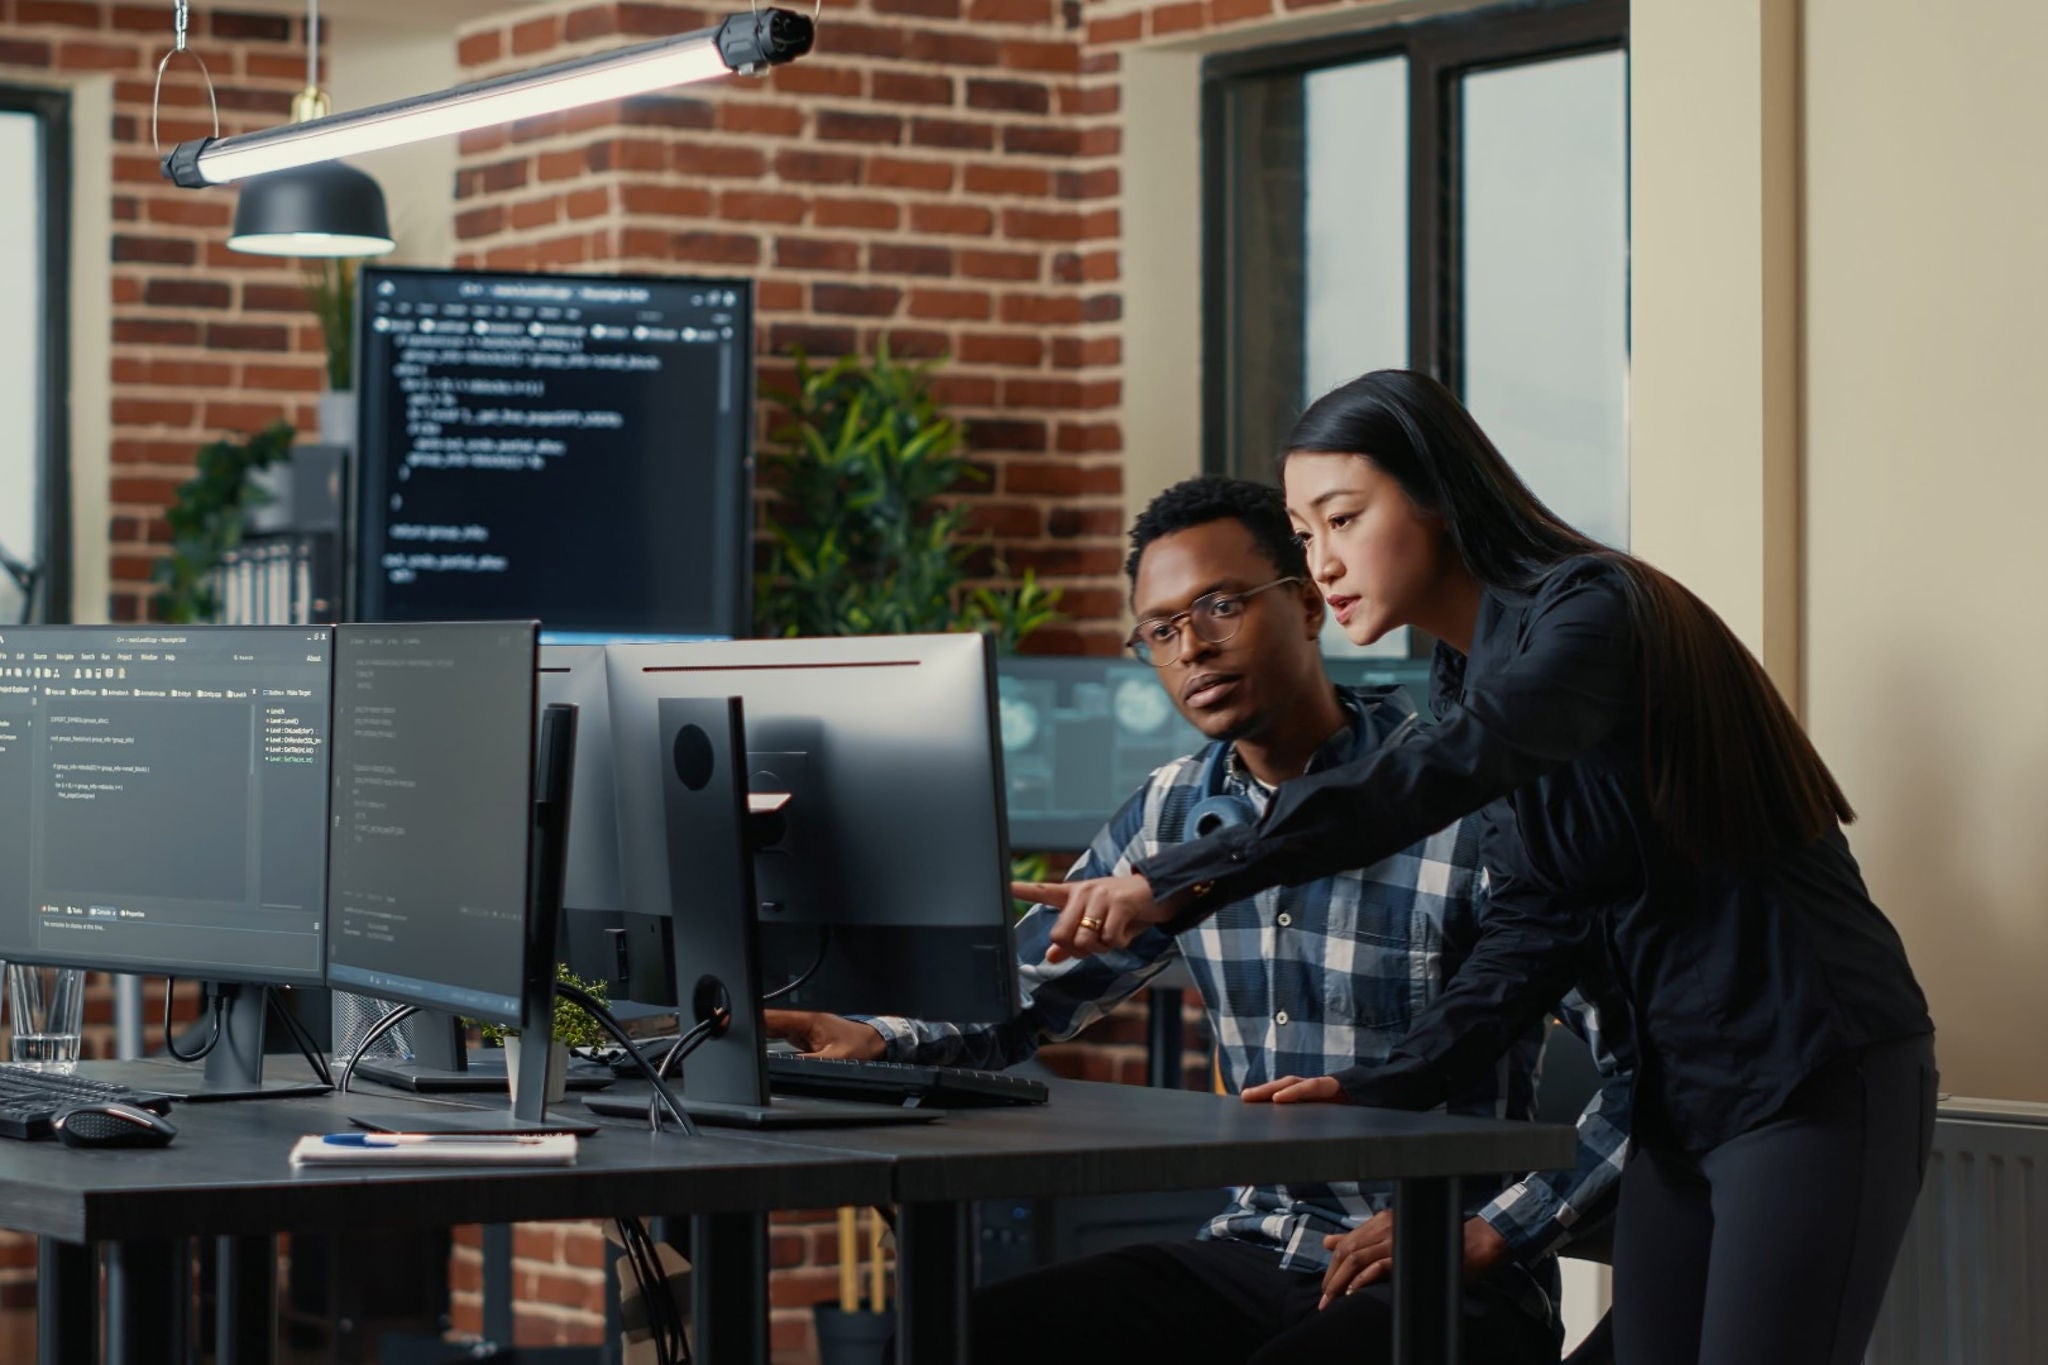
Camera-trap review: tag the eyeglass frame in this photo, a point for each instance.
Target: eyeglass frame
(1184, 621)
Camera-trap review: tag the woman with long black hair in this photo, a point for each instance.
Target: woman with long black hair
(1659, 832)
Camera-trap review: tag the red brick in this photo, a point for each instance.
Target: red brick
(818, 168)
(813, 253)
(955, 390)
(716, 248)
(778, 296)
(877, 215)
(537, 128)
(870, 301)
(923, 9)
(533, 213)
(1000, 265)
(1102, 141)
(1180, 18)
(1035, 140)
(587, 203)
(1124, 28)
(861, 40)
(811, 339)
(1083, 437)
(758, 206)
(913, 344)
(952, 134)
(1005, 434)
(188, 374)
(1041, 226)
(480, 49)
(692, 159)
(156, 332)
(838, 125)
(890, 258)
(1041, 393)
(667, 111)
(152, 492)
(803, 79)
(262, 28)
(191, 210)
(952, 49)
(583, 24)
(899, 174)
(1029, 181)
(627, 154)
(247, 336)
(16, 52)
(156, 250)
(1020, 519)
(1010, 11)
(151, 412)
(537, 35)
(951, 305)
(1064, 58)
(291, 379)
(1041, 310)
(482, 222)
(1009, 97)
(903, 87)
(187, 294)
(1236, 11)
(988, 348)
(1103, 182)
(657, 20)
(567, 165)
(770, 120)
(243, 416)
(61, 13)
(958, 220)
(1090, 101)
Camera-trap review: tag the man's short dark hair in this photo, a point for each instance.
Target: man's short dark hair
(1197, 502)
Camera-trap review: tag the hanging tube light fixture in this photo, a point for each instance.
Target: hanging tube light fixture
(745, 44)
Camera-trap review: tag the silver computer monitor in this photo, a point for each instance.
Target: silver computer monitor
(892, 855)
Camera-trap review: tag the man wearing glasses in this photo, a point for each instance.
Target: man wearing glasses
(1302, 980)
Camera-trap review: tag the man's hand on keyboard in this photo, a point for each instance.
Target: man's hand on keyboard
(825, 1034)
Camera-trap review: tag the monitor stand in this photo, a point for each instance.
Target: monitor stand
(717, 948)
(233, 1069)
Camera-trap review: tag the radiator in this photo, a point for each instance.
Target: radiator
(1971, 1287)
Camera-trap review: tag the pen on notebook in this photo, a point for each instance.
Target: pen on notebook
(408, 1139)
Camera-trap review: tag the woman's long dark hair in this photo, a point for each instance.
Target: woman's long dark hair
(1730, 775)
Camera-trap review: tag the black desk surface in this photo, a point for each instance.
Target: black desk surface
(1095, 1138)
(228, 1173)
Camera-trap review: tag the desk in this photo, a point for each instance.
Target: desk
(1117, 1139)
(227, 1176)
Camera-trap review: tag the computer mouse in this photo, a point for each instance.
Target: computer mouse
(113, 1124)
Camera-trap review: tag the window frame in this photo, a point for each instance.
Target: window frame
(52, 551)
(1439, 53)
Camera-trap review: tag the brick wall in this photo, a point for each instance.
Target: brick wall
(938, 171)
(205, 340)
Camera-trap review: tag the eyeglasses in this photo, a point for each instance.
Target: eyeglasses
(1215, 617)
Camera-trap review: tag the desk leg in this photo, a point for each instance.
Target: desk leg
(148, 1287)
(729, 1287)
(933, 1284)
(1429, 1247)
(1165, 1038)
(245, 1300)
(499, 1317)
(67, 1293)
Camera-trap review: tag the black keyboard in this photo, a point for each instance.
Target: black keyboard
(29, 1099)
(905, 1083)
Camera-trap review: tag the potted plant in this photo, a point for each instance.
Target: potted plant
(573, 1027)
(862, 536)
(207, 518)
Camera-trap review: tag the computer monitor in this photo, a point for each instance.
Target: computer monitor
(163, 800)
(881, 884)
(445, 848)
(573, 448)
(1081, 734)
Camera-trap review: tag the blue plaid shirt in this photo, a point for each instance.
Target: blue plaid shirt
(1309, 980)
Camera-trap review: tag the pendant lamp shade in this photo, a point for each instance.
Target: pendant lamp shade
(326, 209)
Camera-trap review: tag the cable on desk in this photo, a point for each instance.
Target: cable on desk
(377, 1030)
(662, 1098)
(300, 1036)
(664, 1321)
(212, 1038)
(789, 987)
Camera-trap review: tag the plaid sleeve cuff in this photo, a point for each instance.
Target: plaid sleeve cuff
(899, 1036)
(1531, 1217)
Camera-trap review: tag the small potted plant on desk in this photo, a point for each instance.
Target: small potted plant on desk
(573, 1027)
